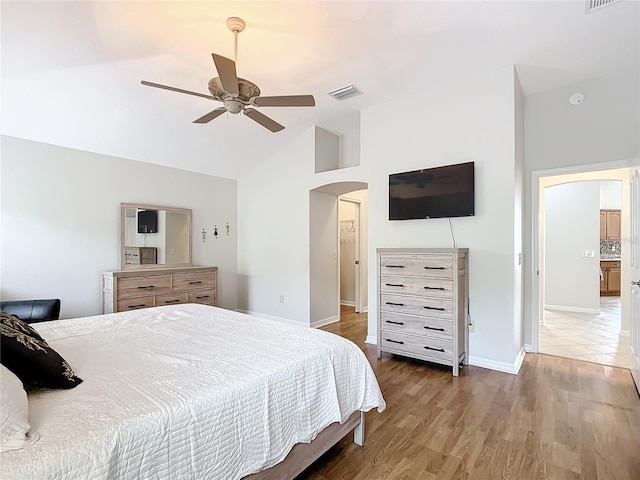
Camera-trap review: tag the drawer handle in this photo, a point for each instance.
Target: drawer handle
(434, 328)
(434, 288)
(202, 296)
(172, 301)
(394, 266)
(137, 306)
(435, 308)
(396, 323)
(436, 349)
(397, 304)
(147, 286)
(397, 341)
(395, 285)
(195, 282)
(434, 268)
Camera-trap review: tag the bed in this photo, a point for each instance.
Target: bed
(192, 391)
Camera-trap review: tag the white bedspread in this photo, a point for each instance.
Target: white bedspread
(187, 392)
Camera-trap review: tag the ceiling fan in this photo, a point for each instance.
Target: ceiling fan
(238, 94)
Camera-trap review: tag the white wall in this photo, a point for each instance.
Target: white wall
(468, 120)
(611, 195)
(61, 220)
(273, 236)
(327, 150)
(571, 227)
(323, 259)
(472, 119)
(600, 133)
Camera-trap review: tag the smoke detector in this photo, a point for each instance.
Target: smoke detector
(577, 98)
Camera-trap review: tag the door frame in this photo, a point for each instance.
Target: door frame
(634, 234)
(537, 254)
(358, 270)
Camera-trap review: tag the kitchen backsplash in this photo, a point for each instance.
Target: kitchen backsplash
(609, 248)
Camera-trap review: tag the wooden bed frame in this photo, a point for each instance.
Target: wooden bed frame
(304, 454)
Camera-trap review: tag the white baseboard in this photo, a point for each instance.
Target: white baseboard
(512, 368)
(371, 340)
(365, 310)
(528, 348)
(273, 317)
(348, 303)
(325, 321)
(562, 308)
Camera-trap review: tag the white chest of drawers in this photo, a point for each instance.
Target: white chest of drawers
(133, 289)
(422, 304)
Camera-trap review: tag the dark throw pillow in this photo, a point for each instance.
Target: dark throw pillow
(16, 323)
(34, 362)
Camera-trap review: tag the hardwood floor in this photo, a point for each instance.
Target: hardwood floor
(557, 419)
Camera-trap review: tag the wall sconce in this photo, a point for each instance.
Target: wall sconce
(215, 232)
(227, 228)
(204, 235)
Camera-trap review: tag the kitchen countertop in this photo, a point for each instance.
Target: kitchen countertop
(610, 259)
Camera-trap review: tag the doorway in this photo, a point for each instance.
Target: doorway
(326, 250)
(574, 320)
(349, 253)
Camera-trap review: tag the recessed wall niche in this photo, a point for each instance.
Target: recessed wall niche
(340, 147)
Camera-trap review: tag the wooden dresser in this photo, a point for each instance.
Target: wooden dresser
(132, 289)
(422, 304)
(141, 255)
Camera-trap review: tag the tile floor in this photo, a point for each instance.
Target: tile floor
(593, 338)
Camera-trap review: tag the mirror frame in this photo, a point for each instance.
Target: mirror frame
(123, 264)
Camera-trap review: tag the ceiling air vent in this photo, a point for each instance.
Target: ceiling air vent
(596, 4)
(343, 93)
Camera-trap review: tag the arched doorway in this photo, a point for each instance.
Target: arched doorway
(325, 251)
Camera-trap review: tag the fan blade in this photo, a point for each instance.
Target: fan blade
(227, 73)
(285, 101)
(211, 115)
(263, 120)
(179, 90)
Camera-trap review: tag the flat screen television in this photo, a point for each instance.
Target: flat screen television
(147, 221)
(438, 192)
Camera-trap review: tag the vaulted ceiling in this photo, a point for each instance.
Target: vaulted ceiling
(71, 71)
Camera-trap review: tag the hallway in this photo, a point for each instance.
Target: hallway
(581, 336)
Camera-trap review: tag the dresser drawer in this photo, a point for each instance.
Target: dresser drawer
(428, 286)
(183, 282)
(135, 303)
(203, 296)
(432, 327)
(171, 299)
(434, 265)
(149, 284)
(423, 306)
(417, 346)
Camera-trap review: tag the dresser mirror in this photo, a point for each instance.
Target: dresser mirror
(154, 237)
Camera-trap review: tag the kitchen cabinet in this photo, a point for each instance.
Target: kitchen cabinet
(609, 224)
(610, 282)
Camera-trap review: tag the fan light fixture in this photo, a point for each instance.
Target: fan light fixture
(238, 94)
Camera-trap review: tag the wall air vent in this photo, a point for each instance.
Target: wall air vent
(343, 93)
(596, 4)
